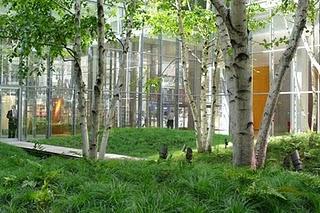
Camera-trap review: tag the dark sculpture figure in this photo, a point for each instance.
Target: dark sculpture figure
(189, 155)
(163, 153)
(296, 161)
(287, 162)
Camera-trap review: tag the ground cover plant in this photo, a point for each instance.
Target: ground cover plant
(308, 145)
(208, 184)
(139, 142)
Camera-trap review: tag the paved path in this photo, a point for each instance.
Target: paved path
(58, 150)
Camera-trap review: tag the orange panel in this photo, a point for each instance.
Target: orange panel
(260, 85)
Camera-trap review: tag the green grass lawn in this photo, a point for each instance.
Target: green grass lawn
(139, 142)
(210, 184)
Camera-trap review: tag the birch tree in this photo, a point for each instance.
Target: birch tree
(214, 93)
(132, 20)
(191, 23)
(308, 38)
(34, 26)
(81, 87)
(281, 69)
(97, 90)
(235, 20)
(315, 71)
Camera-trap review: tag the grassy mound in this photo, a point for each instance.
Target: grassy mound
(308, 145)
(139, 142)
(30, 184)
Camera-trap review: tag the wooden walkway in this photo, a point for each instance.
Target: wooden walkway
(58, 150)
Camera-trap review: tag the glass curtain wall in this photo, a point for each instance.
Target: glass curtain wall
(47, 102)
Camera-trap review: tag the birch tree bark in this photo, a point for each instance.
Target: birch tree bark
(207, 123)
(119, 84)
(79, 81)
(225, 45)
(199, 112)
(236, 23)
(203, 96)
(214, 89)
(98, 87)
(186, 83)
(284, 63)
(315, 70)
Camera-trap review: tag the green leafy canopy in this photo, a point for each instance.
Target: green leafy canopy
(199, 23)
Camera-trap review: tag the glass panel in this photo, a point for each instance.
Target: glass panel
(8, 98)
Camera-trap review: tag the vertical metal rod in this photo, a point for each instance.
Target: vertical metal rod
(1, 111)
(176, 90)
(20, 120)
(294, 98)
(110, 77)
(141, 48)
(1, 73)
(49, 98)
(115, 79)
(318, 80)
(1, 63)
(74, 96)
(91, 81)
(25, 108)
(318, 108)
(34, 107)
(160, 98)
(127, 83)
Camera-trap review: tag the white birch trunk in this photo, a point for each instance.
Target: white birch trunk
(284, 64)
(225, 45)
(98, 87)
(207, 128)
(236, 23)
(186, 83)
(203, 95)
(315, 70)
(79, 82)
(107, 128)
(215, 88)
(118, 87)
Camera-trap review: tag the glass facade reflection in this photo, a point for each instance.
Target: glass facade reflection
(47, 103)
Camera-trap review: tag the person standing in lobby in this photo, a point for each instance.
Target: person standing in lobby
(170, 119)
(12, 116)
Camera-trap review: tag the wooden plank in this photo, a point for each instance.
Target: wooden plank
(58, 150)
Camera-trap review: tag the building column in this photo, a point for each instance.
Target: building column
(160, 98)
(74, 98)
(1, 73)
(20, 118)
(91, 81)
(176, 82)
(140, 84)
(49, 98)
(294, 99)
(127, 85)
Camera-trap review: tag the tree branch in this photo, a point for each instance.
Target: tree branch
(120, 43)
(211, 43)
(62, 7)
(313, 60)
(70, 51)
(222, 10)
(194, 55)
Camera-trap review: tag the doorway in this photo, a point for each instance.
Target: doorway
(9, 96)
